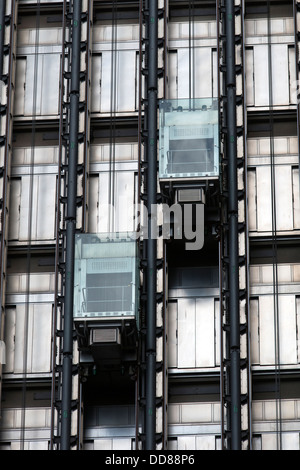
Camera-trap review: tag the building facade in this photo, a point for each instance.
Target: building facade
(113, 112)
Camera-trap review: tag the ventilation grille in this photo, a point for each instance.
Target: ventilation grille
(190, 195)
(100, 266)
(105, 335)
(189, 132)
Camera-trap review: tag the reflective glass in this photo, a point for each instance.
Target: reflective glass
(189, 138)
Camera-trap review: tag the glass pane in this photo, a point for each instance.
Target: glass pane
(189, 139)
(106, 276)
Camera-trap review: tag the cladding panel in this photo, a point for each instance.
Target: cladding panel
(266, 324)
(33, 208)
(28, 333)
(193, 333)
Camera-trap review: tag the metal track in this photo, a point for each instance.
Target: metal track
(72, 210)
(235, 366)
(153, 369)
(8, 24)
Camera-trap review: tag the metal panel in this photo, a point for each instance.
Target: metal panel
(298, 326)
(217, 332)
(296, 197)
(29, 338)
(113, 444)
(124, 201)
(19, 103)
(284, 203)
(172, 334)
(281, 66)
(269, 441)
(93, 203)
(261, 75)
(10, 328)
(292, 74)
(113, 213)
(96, 83)
(280, 76)
(205, 332)
(263, 329)
(14, 212)
(263, 200)
(186, 332)
(183, 77)
(197, 330)
(186, 443)
(42, 84)
(127, 81)
(254, 321)
(196, 442)
(37, 207)
(206, 442)
(249, 76)
(203, 69)
(290, 441)
(172, 75)
(252, 212)
(123, 66)
(106, 82)
(50, 84)
(214, 72)
(266, 329)
(287, 329)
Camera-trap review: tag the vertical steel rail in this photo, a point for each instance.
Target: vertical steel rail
(233, 248)
(247, 247)
(72, 197)
(235, 383)
(221, 310)
(4, 168)
(54, 391)
(71, 227)
(151, 280)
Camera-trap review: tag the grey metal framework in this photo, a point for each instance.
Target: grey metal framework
(210, 358)
(153, 332)
(233, 246)
(72, 214)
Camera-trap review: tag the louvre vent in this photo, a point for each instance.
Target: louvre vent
(190, 195)
(105, 335)
(100, 266)
(179, 132)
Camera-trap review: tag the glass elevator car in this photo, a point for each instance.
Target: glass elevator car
(106, 293)
(188, 139)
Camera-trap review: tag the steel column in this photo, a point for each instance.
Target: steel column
(70, 228)
(2, 26)
(151, 241)
(233, 249)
